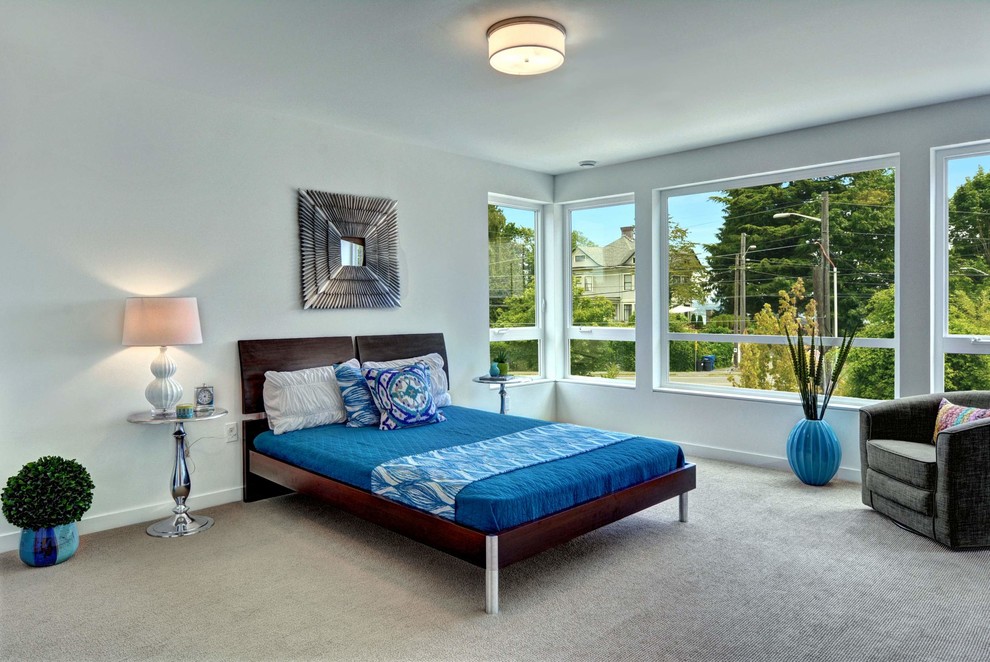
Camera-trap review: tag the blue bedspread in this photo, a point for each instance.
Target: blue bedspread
(431, 481)
(350, 454)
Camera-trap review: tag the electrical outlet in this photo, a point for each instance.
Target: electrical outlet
(230, 429)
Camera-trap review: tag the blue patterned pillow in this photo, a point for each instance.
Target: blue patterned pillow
(403, 396)
(361, 409)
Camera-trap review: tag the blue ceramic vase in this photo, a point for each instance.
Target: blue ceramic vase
(48, 546)
(813, 451)
(494, 371)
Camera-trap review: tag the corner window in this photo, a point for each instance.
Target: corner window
(747, 259)
(514, 284)
(602, 310)
(963, 268)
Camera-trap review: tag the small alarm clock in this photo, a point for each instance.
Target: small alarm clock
(204, 398)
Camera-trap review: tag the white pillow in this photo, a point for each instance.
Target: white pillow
(438, 378)
(303, 399)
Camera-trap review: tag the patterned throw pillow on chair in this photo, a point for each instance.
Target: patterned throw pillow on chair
(950, 414)
(403, 396)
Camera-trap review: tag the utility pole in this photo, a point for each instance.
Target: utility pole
(735, 295)
(739, 295)
(830, 324)
(742, 283)
(735, 310)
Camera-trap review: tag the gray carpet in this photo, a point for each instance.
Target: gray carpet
(767, 569)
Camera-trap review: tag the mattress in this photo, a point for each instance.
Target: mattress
(349, 455)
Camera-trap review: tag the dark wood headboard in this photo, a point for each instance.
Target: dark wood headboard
(402, 346)
(282, 354)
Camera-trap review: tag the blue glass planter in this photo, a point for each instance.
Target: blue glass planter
(43, 547)
(813, 451)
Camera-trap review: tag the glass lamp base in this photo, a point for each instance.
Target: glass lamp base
(180, 525)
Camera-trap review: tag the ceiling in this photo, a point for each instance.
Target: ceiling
(642, 77)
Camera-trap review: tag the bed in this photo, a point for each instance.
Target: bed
(489, 531)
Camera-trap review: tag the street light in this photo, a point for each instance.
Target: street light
(794, 213)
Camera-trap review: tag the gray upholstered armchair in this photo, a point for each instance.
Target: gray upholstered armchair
(941, 491)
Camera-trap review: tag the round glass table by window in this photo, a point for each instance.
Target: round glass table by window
(182, 522)
(501, 381)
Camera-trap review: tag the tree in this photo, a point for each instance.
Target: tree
(969, 285)
(861, 220)
(511, 262)
(686, 271)
(580, 239)
(768, 367)
(869, 371)
(969, 222)
(968, 315)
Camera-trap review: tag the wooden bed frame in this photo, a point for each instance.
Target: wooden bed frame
(265, 476)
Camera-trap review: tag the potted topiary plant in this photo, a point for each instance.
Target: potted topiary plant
(501, 359)
(45, 499)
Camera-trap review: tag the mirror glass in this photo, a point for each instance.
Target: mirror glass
(352, 251)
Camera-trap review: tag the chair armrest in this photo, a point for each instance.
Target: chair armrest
(962, 498)
(965, 449)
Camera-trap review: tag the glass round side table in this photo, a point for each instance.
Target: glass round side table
(182, 522)
(501, 381)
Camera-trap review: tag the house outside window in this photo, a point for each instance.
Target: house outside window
(601, 334)
(750, 258)
(962, 221)
(515, 286)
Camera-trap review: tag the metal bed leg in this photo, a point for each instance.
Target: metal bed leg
(491, 574)
(683, 506)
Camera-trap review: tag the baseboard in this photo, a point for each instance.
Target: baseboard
(757, 459)
(10, 541)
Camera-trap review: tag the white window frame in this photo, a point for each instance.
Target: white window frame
(572, 332)
(944, 342)
(536, 332)
(661, 316)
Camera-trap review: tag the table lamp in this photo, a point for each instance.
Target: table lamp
(159, 322)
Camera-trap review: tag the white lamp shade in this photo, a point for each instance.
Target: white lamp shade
(526, 45)
(161, 321)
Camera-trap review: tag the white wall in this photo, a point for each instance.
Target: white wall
(754, 431)
(112, 187)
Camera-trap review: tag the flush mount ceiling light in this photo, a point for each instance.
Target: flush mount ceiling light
(526, 45)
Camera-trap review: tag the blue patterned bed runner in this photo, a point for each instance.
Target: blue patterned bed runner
(431, 481)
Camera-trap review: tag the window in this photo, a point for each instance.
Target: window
(602, 308)
(963, 266)
(747, 259)
(514, 284)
